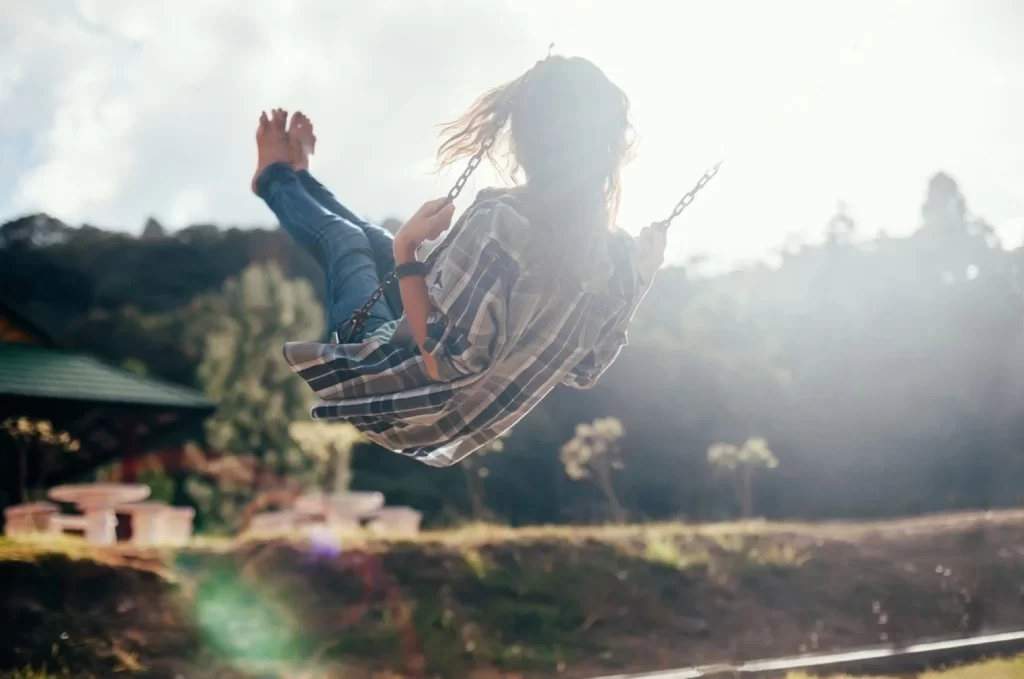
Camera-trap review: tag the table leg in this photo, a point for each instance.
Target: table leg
(100, 526)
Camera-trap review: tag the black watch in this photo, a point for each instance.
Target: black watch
(412, 269)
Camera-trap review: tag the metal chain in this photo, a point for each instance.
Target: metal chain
(474, 162)
(357, 321)
(690, 195)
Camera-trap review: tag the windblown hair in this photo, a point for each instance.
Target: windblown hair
(566, 127)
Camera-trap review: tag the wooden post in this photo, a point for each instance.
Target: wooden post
(130, 448)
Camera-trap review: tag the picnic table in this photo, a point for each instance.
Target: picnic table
(97, 502)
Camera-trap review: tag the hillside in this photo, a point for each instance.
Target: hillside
(577, 602)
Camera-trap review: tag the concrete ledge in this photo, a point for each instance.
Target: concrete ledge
(876, 660)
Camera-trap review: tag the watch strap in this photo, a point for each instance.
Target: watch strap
(412, 269)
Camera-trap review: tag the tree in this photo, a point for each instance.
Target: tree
(329, 445)
(958, 246)
(34, 231)
(153, 229)
(840, 229)
(40, 437)
(593, 453)
(241, 331)
(221, 486)
(474, 471)
(888, 368)
(740, 462)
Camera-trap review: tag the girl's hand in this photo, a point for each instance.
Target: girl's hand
(650, 246)
(429, 222)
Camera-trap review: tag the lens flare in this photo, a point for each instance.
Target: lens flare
(242, 623)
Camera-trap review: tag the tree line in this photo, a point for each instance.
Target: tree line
(872, 376)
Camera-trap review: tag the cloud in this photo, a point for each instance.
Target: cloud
(150, 108)
(113, 111)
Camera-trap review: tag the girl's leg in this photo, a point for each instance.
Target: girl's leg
(380, 239)
(339, 246)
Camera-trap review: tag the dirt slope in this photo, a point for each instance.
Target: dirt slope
(575, 602)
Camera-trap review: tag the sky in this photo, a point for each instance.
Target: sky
(115, 111)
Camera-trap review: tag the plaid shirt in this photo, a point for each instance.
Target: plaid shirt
(503, 333)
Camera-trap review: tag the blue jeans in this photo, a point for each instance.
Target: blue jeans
(353, 253)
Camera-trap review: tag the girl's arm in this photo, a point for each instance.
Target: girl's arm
(459, 317)
(416, 300)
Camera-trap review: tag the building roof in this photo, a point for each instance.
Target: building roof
(40, 372)
(16, 328)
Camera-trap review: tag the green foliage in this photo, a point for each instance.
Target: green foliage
(593, 453)
(29, 673)
(160, 484)
(753, 453)
(594, 446)
(134, 365)
(580, 601)
(241, 331)
(328, 446)
(36, 444)
(220, 487)
(663, 549)
(739, 462)
(257, 394)
(884, 370)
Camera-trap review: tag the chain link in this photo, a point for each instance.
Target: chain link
(357, 321)
(690, 195)
(474, 162)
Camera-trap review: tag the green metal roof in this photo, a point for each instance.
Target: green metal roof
(39, 372)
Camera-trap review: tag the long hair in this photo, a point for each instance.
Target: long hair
(565, 126)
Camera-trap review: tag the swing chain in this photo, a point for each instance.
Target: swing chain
(690, 195)
(358, 319)
(473, 163)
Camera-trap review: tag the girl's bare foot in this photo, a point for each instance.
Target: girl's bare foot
(271, 143)
(301, 140)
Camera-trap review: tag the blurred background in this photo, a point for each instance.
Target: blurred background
(838, 333)
(849, 288)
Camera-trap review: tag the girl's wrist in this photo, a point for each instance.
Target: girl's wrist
(405, 250)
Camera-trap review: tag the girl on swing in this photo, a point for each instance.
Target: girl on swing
(534, 287)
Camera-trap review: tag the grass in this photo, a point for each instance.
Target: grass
(993, 669)
(32, 548)
(480, 534)
(472, 535)
(476, 534)
(592, 600)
